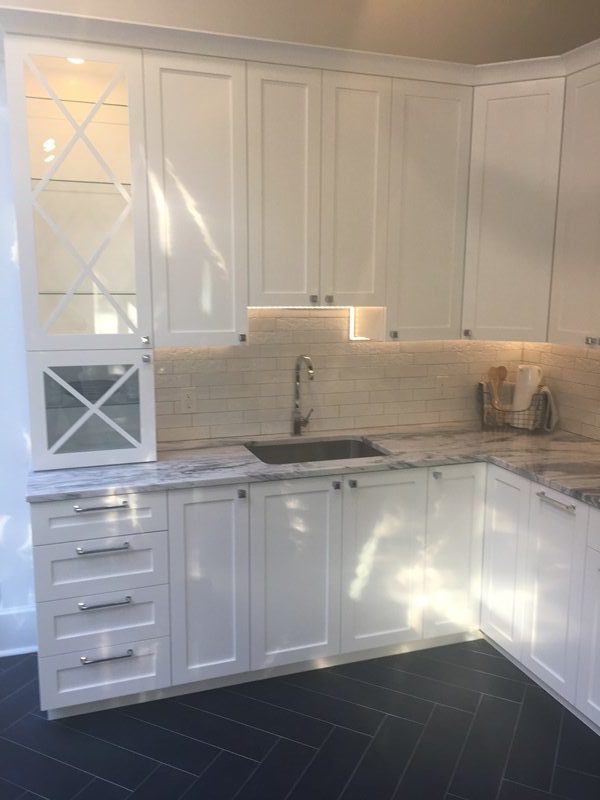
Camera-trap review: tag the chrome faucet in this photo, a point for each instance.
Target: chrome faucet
(298, 421)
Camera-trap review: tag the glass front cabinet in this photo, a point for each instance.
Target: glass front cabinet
(79, 165)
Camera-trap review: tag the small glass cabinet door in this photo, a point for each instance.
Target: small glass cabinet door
(91, 408)
(80, 193)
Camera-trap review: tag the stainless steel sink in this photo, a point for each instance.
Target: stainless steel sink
(295, 452)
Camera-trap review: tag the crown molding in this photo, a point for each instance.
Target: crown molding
(181, 40)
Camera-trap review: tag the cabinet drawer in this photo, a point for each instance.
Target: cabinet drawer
(100, 565)
(95, 517)
(102, 619)
(89, 675)
(594, 529)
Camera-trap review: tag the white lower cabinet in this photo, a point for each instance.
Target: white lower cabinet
(294, 566)
(588, 683)
(554, 580)
(382, 573)
(453, 552)
(208, 547)
(506, 528)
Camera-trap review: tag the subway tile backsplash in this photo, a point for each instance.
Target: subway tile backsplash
(247, 391)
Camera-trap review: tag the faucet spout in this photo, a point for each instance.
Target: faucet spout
(299, 421)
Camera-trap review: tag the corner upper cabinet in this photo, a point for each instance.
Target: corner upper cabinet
(431, 132)
(78, 152)
(576, 279)
(284, 180)
(196, 132)
(512, 203)
(354, 198)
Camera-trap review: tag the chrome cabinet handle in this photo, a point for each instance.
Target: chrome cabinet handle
(86, 661)
(84, 510)
(95, 551)
(85, 607)
(336, 485)
(570, 508)
(242, 494)
(352, 484)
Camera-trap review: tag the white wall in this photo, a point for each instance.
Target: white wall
(17, 617)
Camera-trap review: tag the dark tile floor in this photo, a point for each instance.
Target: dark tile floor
(456, 723)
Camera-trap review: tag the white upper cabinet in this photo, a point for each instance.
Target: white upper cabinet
(512, 204)
(196, 130)
(576, 279)
(554, 581)
(284, 181)
(356, 148)
(431, 130)
(382, 558)
(79, 166)
(504, 555)
(453, 549)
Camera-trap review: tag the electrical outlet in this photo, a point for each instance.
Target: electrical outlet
(187, 402)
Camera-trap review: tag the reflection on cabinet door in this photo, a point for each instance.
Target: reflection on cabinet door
(382, 567)
(356, 148)
(554, 580)
(431, 131)
(208, 548)
(576, 278)
(90, 408)
(512, 205)
(196, 129)
(284, 180)
(295, 561)
(504, 554)
(79, 164)
(455, 511)
(588, 684)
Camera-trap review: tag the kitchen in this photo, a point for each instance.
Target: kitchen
(263, 284)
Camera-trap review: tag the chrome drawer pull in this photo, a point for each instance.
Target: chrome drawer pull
(95, 551)
(86, 661)
(85, 607)
(570, 508)
(81, 510)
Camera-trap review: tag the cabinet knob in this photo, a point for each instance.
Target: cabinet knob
(329, 299)
(591, 340)
(242, 337)
(468, 333)
(145, 339)
(352, 483)
(437, 475)
(393, 334)
(242, 494)
(337, 484)
(146, 358)
(314, 299)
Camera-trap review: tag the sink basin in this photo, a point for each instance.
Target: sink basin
(294, 452)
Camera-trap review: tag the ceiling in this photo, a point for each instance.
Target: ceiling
(468, 31)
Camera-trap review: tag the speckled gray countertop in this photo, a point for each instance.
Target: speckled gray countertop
(562, 461)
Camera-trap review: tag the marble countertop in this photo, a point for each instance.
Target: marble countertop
(562, 461)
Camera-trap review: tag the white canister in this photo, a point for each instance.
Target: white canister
(528, 380)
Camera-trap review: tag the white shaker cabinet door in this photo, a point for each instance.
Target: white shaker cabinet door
(196, 131)
(284, 180)
(576, 278)
(382, 566)
(588, 684)
(355, 177)
(208, 548)
(295, 562)
(504, 554)
(453, 549)
(553, 586)
(512, 205)
(431, 134)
